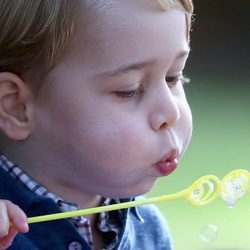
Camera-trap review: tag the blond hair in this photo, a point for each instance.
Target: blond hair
(34, 32)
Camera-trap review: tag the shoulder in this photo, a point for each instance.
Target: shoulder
(149, 227)
(21, 241)
(154, 220)
(152, 213)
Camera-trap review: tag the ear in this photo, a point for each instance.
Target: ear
(15, 106)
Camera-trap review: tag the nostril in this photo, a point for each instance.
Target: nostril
(164, 125)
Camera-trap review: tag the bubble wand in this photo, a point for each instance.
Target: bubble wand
(203, 191)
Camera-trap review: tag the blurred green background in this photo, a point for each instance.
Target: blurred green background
(219, 96)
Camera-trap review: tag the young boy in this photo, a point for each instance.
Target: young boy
(92, 112)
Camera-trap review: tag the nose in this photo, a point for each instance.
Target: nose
(165, 110)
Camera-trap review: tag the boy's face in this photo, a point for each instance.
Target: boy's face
(106, 116)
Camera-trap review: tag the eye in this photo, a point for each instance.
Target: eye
(172, 80)
(129, 94)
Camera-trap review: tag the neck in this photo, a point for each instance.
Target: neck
(69, 192)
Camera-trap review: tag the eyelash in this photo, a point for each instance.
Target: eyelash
(128, 94)
(172, 80)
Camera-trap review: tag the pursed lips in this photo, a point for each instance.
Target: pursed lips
(168, 163)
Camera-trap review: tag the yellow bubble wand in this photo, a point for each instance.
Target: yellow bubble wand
(203, 191)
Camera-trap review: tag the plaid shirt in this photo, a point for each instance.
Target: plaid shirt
(107, 223)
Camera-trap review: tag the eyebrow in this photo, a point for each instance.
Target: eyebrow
(125, 68)
(135, 66)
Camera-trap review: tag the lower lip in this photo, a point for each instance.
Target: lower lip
(167, 167)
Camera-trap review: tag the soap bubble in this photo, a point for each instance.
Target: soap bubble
(209, 233)
(234, 187)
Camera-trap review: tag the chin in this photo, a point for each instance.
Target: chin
(136, 190)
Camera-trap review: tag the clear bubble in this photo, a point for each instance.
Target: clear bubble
(231, 201)
(196, 193)
(234, 188)
(209, 233)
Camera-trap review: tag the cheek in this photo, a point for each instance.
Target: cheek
(189, 119)
(186, 126)
(118, 143)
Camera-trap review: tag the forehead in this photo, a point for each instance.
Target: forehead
(119, 30)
